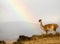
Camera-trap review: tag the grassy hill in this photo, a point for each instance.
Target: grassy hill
(39, 39)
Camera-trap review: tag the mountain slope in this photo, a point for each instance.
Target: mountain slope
(12, 30)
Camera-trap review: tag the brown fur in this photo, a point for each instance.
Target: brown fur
(48, 27)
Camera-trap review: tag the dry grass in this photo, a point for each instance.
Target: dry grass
(40, 39)
(37, 39)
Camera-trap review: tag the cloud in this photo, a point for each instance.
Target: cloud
(38, 8)
(45, 9)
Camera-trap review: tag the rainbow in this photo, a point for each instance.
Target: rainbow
(22, 11)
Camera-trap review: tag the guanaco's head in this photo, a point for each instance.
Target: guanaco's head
(40, 20)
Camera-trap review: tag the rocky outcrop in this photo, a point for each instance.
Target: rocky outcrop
(39, 39)
(2, 42)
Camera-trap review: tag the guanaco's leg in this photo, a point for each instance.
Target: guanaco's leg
(46, 31)
(55, 30)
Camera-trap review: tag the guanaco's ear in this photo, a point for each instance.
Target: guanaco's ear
(39, 20)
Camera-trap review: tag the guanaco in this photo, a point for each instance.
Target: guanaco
(48, 27)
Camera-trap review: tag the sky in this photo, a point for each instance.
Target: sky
(28, 11)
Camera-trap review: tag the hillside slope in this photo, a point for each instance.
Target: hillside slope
(39, 39)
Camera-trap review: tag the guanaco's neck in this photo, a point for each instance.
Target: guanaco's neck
(41, 24)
